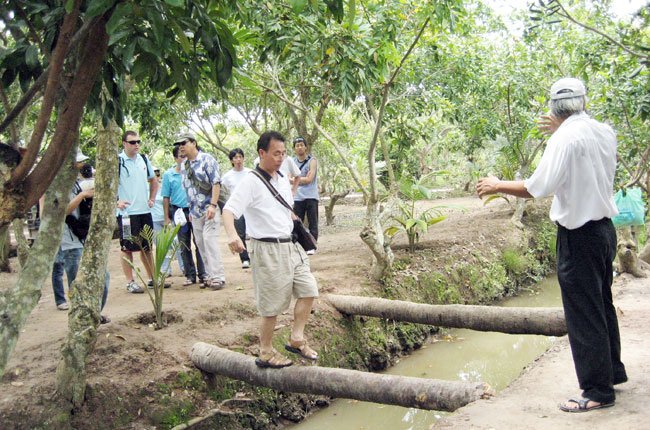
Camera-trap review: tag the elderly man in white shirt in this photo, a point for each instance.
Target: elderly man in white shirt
(578, 168)
(280, 267)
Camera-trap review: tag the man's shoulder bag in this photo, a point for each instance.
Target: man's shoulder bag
(300, 233)
(206, 187)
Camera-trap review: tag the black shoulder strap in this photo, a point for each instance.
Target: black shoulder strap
(305, 162)
(146, 162)
(77, 188)
(272, 189)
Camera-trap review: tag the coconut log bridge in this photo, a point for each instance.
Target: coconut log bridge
(513, 320)
(341, 383)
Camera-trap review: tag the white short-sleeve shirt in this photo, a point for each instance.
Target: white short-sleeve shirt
(577, 168)
(265, 216)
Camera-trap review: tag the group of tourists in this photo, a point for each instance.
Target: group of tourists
(577, 168)
(193, 193)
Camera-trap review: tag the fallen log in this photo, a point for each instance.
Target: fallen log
(544, 321)
(404, 391)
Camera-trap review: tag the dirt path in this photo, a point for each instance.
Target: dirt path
(531, 401)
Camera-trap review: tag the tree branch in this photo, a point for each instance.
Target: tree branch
(51, 89)
(568, 16)
(40, 81)
(67, 127)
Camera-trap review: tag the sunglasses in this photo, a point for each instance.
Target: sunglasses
(181, 143)
(134, 142)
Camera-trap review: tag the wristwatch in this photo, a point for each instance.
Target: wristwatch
(212, 204)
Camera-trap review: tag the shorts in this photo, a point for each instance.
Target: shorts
(280, 271)
(137, 224)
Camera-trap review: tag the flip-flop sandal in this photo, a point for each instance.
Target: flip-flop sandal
(582, 406)
(274, 360)
(188, 282)
(302, 349)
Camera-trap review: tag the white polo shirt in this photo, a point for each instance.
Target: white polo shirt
(577, 168)
(265, 216)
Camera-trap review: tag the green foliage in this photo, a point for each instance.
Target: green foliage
(175, 412)
(411, 220)
(165, 244)
(514, 261)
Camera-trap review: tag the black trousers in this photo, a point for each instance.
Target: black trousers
(185, 236)
(240, 227)
(585, 257)
(308, 207)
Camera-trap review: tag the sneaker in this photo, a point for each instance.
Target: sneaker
(165, 285)
(245, 264)
(63, 306)
(104, 320)
(216, 285)
(311, 252)
(134, 288)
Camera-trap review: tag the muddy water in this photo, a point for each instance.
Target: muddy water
(495, 358)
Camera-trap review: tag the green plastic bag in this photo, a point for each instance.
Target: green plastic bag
(631, 208)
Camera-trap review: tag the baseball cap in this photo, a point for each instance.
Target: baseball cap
(567, 88)
(182, 137)
(298, 139)
(81, 157)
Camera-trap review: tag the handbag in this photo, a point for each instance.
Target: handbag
(300, 233)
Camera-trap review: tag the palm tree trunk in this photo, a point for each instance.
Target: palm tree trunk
(545, 321)
(404, 391)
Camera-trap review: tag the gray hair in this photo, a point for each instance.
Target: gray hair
(564, 108)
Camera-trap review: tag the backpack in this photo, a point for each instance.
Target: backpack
(206, 187)
(81, 224)
(120, 162)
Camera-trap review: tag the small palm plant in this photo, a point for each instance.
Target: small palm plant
(409, 219)
(165, 244)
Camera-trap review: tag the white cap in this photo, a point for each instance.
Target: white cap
(567, 88)
(81, 157)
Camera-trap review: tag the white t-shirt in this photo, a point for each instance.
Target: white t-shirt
(265, 216)
(288, 167)
(577, 168)
(232, 177)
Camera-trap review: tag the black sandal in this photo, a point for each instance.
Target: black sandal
(582, 405)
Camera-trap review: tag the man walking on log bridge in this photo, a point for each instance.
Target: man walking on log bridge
(578, 168)
(280, 267)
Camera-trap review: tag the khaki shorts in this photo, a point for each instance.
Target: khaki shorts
(280, 270)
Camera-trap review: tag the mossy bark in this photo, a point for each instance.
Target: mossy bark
(373, 236)
(404, 391)
(16, 304)
(22, 247)
(5, 245)
(523, 320)
(88, 287)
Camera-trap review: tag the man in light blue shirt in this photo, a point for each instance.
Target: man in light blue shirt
(175, 198)
(136, 196)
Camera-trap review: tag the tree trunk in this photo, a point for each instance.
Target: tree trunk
(372, 235)
(22, 247)
(16, 304)
(329, 207)
(520, 206)
(626, 256)
(88, 287)
(544, 321)
(5, 245)
(404, 391)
